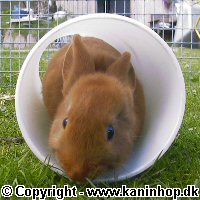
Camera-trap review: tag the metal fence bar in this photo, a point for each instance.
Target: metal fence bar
(17, 38)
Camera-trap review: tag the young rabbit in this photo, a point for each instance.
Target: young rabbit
(96, 104)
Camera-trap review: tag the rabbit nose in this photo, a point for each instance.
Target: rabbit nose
(78, 175)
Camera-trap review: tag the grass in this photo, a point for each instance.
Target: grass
(179, 167)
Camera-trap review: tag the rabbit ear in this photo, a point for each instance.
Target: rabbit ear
(81, 63)
(123, 70)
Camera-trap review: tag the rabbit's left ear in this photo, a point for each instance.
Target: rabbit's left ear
(123, 70)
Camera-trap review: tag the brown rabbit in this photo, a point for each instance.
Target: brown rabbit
(96, 104)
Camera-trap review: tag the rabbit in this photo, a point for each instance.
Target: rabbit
(97, 107)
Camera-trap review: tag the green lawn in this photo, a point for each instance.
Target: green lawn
(179, 167)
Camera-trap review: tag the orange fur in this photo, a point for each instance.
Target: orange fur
(94, 86)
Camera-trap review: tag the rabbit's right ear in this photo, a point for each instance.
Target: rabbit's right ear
(77, 62)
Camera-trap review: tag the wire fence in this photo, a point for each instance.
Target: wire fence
(23, 23)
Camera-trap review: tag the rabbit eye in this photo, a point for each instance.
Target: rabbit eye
(65, 121)
(110, 132)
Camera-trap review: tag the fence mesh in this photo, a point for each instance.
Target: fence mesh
(23, 23)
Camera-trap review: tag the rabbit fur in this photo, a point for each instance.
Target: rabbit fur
(92, 85)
